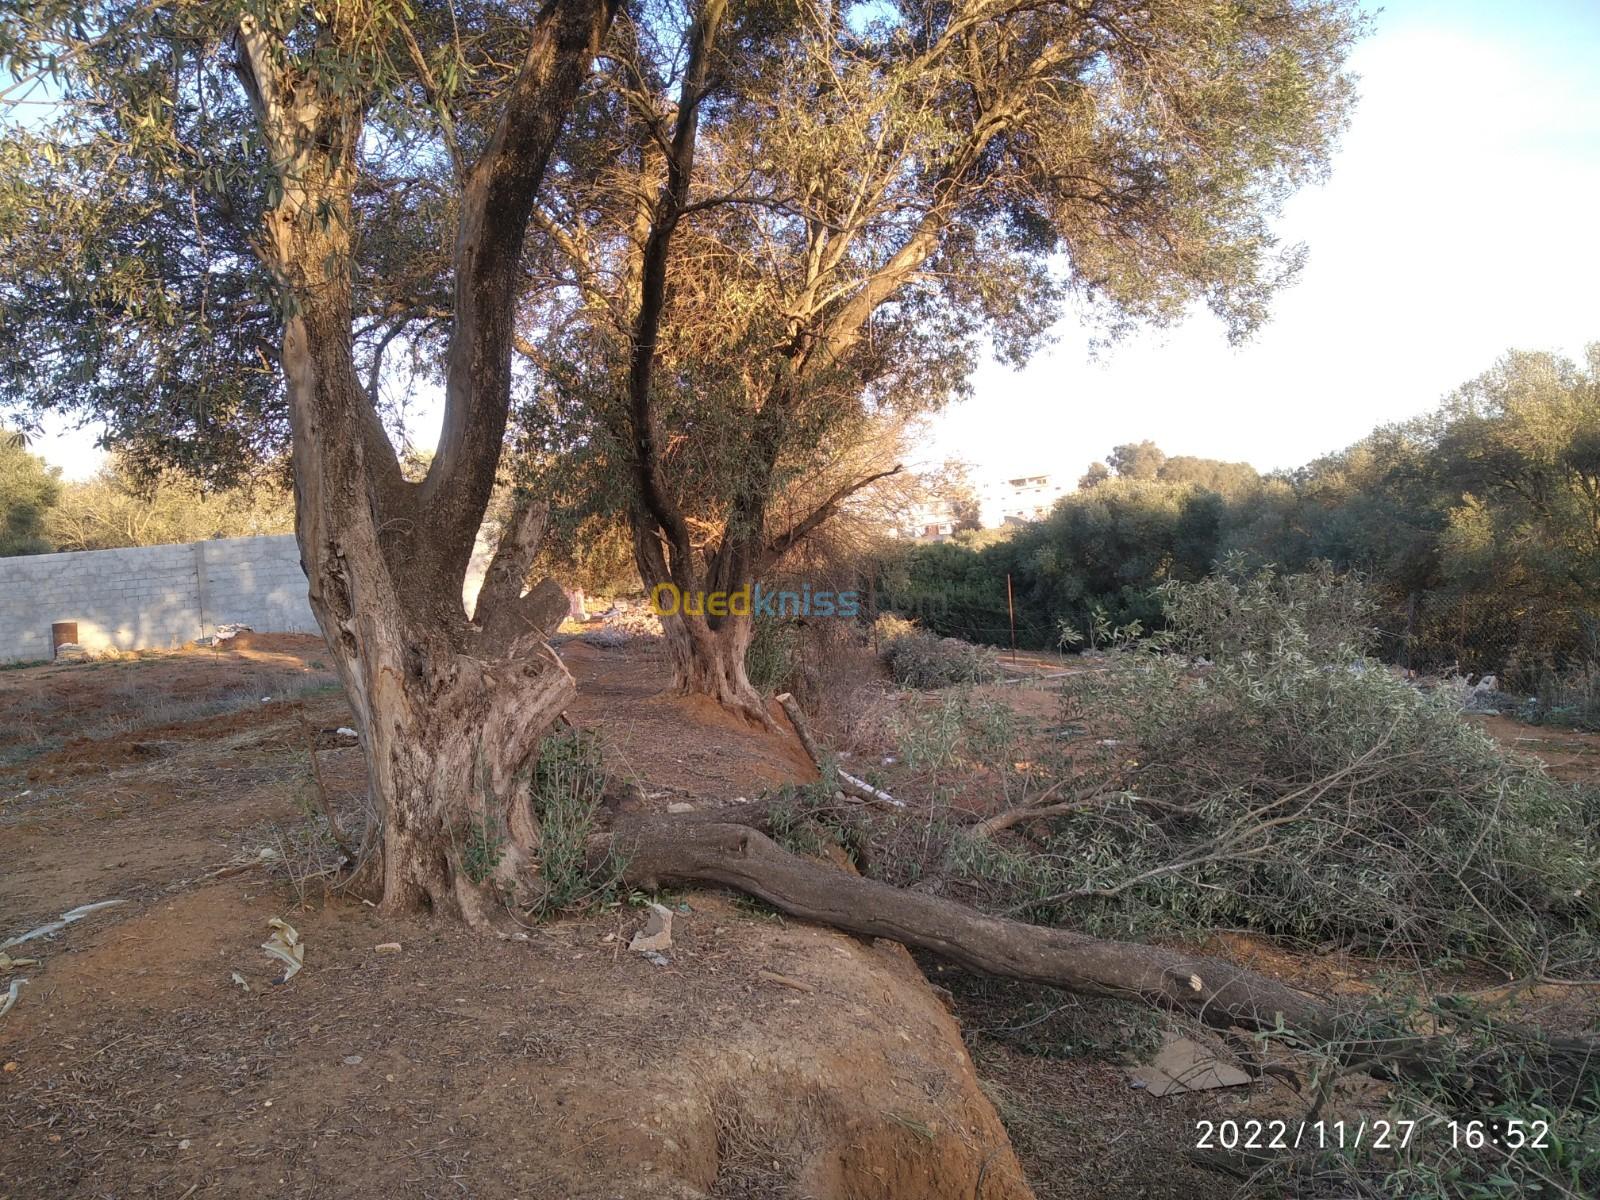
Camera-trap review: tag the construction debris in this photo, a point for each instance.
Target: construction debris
(67, 918)
(1183, 1065)
(285, 946)
(11, 996)
(656, 933)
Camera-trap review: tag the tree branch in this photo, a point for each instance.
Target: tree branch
(669, 208)
(497, 202)
(796, 533)
(659, 852)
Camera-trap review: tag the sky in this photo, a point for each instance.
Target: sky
(1460, 221)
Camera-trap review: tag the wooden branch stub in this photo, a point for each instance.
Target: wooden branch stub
(848, 783)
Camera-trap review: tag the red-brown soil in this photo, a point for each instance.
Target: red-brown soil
(767, 1058)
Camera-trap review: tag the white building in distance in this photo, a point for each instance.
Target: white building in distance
(1000, 502)
(1021, 498)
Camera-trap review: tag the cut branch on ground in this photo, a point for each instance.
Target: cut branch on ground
(661, 852)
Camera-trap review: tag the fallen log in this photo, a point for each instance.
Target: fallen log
(658, 852)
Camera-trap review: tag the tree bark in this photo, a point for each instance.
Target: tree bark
(662, 851)
(452, 708)
(707, 656)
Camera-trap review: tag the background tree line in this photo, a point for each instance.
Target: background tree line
(117, 506)
(1478, 525)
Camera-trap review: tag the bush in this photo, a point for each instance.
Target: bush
(1301, 788)
(569, 782)
(918, 659)
(1569, 697)
(770, 659)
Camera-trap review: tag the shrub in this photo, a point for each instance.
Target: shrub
(568, 784)
(1291, 786)
(770, 659)
(1301, 788)
(1243, 617)
(1569, 697)
(918, 659)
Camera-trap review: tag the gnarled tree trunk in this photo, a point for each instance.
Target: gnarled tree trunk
(452, 707)
(708, 659)
(706, 650)
(452, 710)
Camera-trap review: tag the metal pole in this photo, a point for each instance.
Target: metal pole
(1011, 611)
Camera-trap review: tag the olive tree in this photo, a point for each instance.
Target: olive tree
(231, 182)
(728, 238)
(795, 219)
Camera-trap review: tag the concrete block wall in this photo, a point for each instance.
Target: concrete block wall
(255, 581)
(152, 597)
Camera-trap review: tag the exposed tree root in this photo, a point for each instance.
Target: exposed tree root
(658, 852)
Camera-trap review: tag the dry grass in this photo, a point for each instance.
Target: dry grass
(759, 1157)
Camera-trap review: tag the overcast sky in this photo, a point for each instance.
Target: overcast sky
(1460, 221)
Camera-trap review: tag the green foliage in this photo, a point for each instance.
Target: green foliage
(568, 785)
(1098, 556)
(118, 507)
(770, 659)
(1241, 617)
(919, 659)
(1475, 526)
(130, 214)
(803, 821)
(1295, 787)
(796, 334)
(1560, 1159)
(28, 490)
(482, 848)
(1301, 788)
(1568, 696)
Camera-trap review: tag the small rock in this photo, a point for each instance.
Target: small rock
(184, 1145)
(681, 806)
(656, 934)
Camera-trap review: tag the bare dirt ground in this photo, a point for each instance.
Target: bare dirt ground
(767, 1059)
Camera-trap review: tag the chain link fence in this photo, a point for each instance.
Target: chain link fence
(1542, 653)
(1519, 642)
